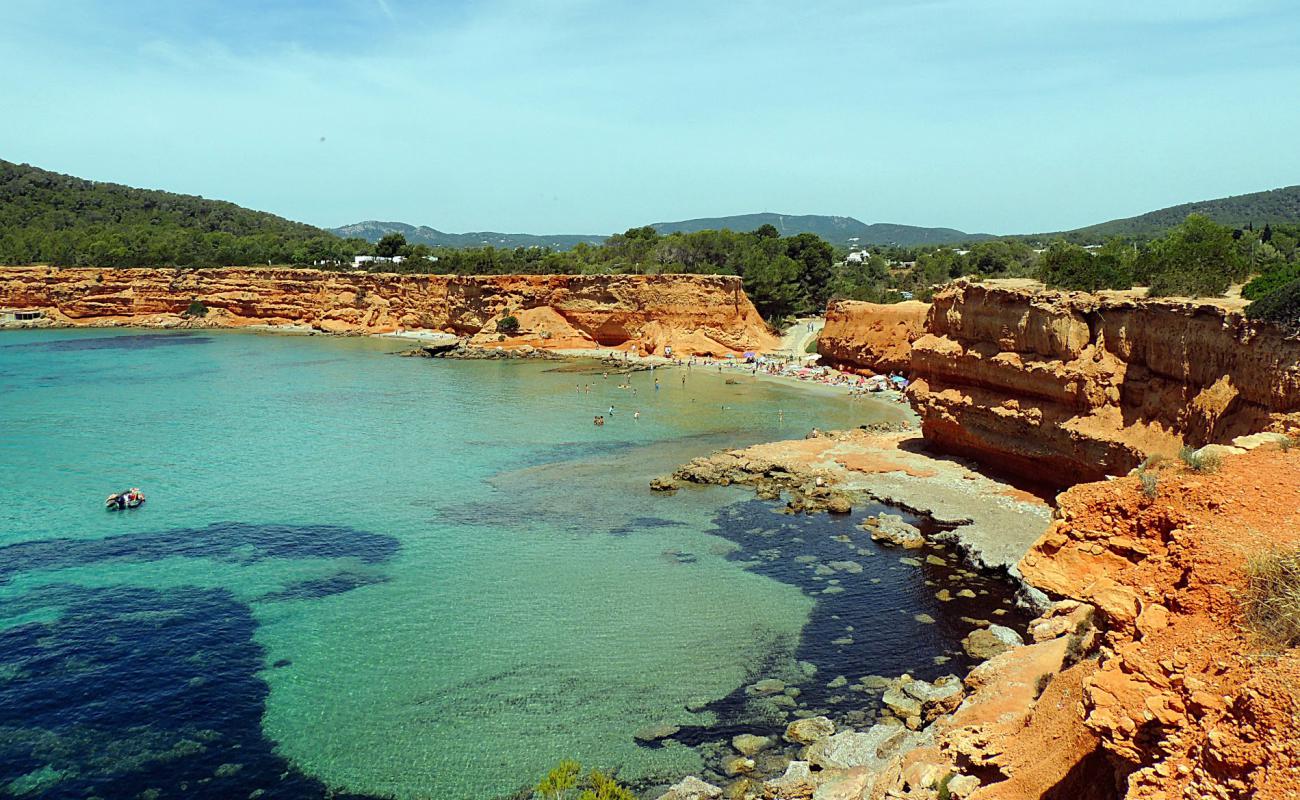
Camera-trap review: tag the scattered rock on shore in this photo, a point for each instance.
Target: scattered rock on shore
(985, 643)
(892, 529)
(692, 789)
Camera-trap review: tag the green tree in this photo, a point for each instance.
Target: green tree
(391, 245)
(1197, 258)
(815, 258)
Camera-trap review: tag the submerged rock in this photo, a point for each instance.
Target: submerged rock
(766, 686)
(657, 732)
(748, 744)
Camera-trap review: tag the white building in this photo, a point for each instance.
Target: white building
(361, 262)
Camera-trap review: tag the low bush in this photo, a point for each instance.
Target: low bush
(1271, 603)
(196, 309)
(508, 325)
(1280, 307)
(1199, 461)
(1150, 484)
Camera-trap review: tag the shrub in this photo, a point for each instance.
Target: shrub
(1150, 484)
(1271, 604)
(1280, 307)
(1040, 685)
(596, 786)
(560, 780)
(1199, 461)
(196, 309)
(508, 325)
(1270, 281)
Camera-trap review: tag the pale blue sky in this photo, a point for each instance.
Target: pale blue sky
(576, 116)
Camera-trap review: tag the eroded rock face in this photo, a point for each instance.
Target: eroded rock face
(1182, 696)
(1070, 387)
(871, 338)
(691, 313)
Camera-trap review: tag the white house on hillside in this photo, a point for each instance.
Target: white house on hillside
(361, 262)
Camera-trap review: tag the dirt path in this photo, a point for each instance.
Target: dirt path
(795, 341)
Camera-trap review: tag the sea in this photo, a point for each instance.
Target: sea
(361, 575)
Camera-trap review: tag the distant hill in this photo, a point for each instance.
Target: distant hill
(1258, 208)
(373, 231)
(844, 231)
(47, 217)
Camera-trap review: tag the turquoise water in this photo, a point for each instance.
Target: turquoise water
(357, 573)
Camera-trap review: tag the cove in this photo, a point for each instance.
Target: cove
(399, 577)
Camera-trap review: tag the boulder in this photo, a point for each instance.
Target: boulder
(692, 789)
(738, 765)
(901, 703)
(797, 783)
(839, 504)
(985, 643)
(892, 529)
(663, 484)
(871, 749)
(807, 731)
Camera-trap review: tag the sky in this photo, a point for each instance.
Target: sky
(577, 116)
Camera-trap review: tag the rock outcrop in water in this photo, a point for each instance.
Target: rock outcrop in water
(871, 338)
(1070, 387)
(690, 313)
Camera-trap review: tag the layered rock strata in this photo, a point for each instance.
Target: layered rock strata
(1071, 387)
(691, 313)
(871, 338)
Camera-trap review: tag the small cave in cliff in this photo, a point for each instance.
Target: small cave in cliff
(611, 333)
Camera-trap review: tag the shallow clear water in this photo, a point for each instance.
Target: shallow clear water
(364, 574)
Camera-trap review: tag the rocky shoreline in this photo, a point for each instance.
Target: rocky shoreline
(820, 756)
(1109, 694)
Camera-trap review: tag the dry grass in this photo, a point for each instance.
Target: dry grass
(1271, 604)
(1199, 461)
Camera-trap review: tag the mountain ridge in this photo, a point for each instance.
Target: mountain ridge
(838, 230)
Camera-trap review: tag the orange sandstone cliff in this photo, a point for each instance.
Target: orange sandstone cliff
(692, 313)
(871, 337)
(1069, 387)
(1184, 701)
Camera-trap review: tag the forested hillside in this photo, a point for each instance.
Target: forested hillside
(1256, 209)
(46, 217)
